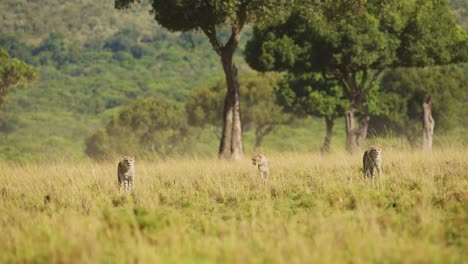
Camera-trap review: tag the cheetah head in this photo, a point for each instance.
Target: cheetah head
(258, 159)
(128, 161)
(255, 159)
(375, 150)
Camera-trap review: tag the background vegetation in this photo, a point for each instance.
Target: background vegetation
(92, 60)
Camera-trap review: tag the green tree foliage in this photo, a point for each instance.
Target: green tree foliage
(13, 73)
(208, 16)
(311, 94)
(260, 112)
(151, 126)
(81, 21)
(16, 48)
(55, 51)
(8, 124)
(403, 92)
(353, 42)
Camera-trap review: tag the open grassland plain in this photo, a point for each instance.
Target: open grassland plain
(313, 208)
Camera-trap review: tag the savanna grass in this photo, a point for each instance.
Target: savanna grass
(313, 208)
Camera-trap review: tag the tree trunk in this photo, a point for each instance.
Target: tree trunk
(258, 141)
(260, 133)
(350, 135)
(428, 125)
(361, 134)
(329, 122)
(230, 146)
(356, 136)
(231, 139)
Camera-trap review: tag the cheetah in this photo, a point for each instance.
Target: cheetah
(372, 161)
(126, 172)
(263, 164)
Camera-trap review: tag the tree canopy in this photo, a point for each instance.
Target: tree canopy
(311, 94)
(13, 72)
(353, 42)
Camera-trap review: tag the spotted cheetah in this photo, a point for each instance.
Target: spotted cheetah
(126, 172)
(372, 162)
(263, 164)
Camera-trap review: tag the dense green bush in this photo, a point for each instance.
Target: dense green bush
(404, 90)
(151, 126)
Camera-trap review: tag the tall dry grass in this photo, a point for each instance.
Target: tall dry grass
(312, 209)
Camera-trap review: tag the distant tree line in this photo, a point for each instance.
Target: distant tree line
(160, 127)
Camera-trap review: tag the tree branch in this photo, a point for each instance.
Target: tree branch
(348, 80)
(233, 41)
(373, 80)
(363, 78)
(210, 32)
(354, 81)
(341, 78)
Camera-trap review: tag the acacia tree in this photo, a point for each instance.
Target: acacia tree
(207, 16)
(354, 41)
(261, 112)
(311, 94)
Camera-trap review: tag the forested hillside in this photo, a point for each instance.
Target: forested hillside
(91, 59)
(81, 20)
